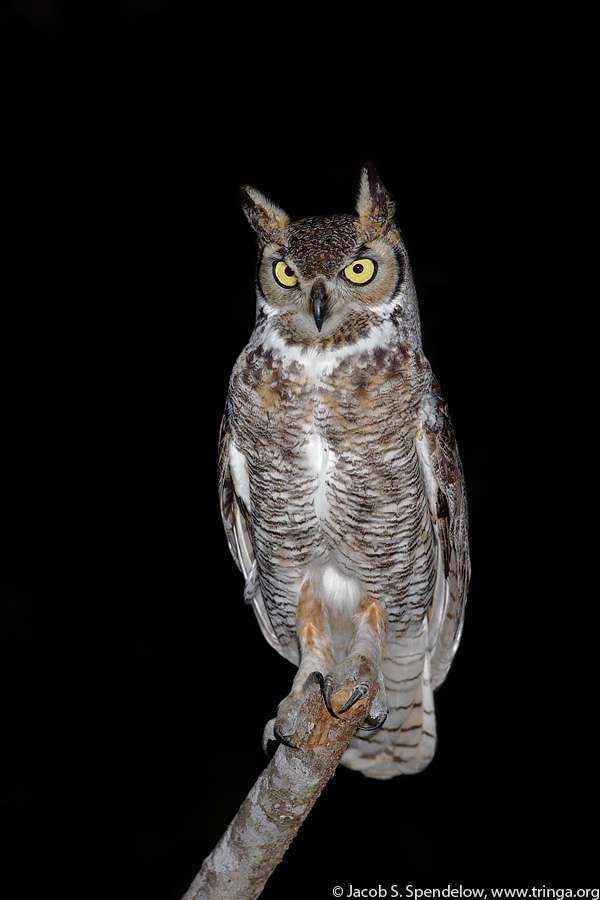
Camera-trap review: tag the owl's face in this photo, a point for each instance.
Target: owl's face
(328, 279)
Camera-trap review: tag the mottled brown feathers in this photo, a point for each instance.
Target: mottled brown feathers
(320, 244)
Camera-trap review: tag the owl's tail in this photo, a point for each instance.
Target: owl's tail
(405, 744)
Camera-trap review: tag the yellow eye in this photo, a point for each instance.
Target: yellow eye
(284, 274)
(361, 271)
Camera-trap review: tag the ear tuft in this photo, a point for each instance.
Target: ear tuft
(267, 219)
(375, 207)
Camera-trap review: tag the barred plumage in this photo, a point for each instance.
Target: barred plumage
(341, 486)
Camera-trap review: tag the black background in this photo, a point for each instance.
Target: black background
(135, 683)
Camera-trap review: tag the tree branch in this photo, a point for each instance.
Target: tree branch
(282, 797)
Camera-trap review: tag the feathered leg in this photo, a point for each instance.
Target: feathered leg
(363, 661)
(316, 656)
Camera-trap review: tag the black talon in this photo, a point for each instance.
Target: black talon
(361, 690)
(326, 685)
(282, 739)
(376, 725)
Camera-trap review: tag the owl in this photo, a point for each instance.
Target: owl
(341, 487)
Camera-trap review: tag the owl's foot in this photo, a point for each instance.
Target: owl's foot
(358, 669)
(364, 673)
(283, 728)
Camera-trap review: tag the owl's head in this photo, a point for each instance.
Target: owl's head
(330, 279)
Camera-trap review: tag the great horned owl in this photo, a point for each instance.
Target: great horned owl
(341, 487)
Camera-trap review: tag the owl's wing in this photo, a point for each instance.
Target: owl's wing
(235, 502)
(234, 511)
(444, 484)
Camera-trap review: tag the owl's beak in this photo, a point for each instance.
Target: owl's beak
(319, 305)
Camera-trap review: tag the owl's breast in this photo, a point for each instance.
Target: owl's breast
(333, 473)
(372, 505)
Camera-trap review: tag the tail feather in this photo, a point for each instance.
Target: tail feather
(406, 742)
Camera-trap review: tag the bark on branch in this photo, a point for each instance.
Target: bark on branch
(282, 797)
